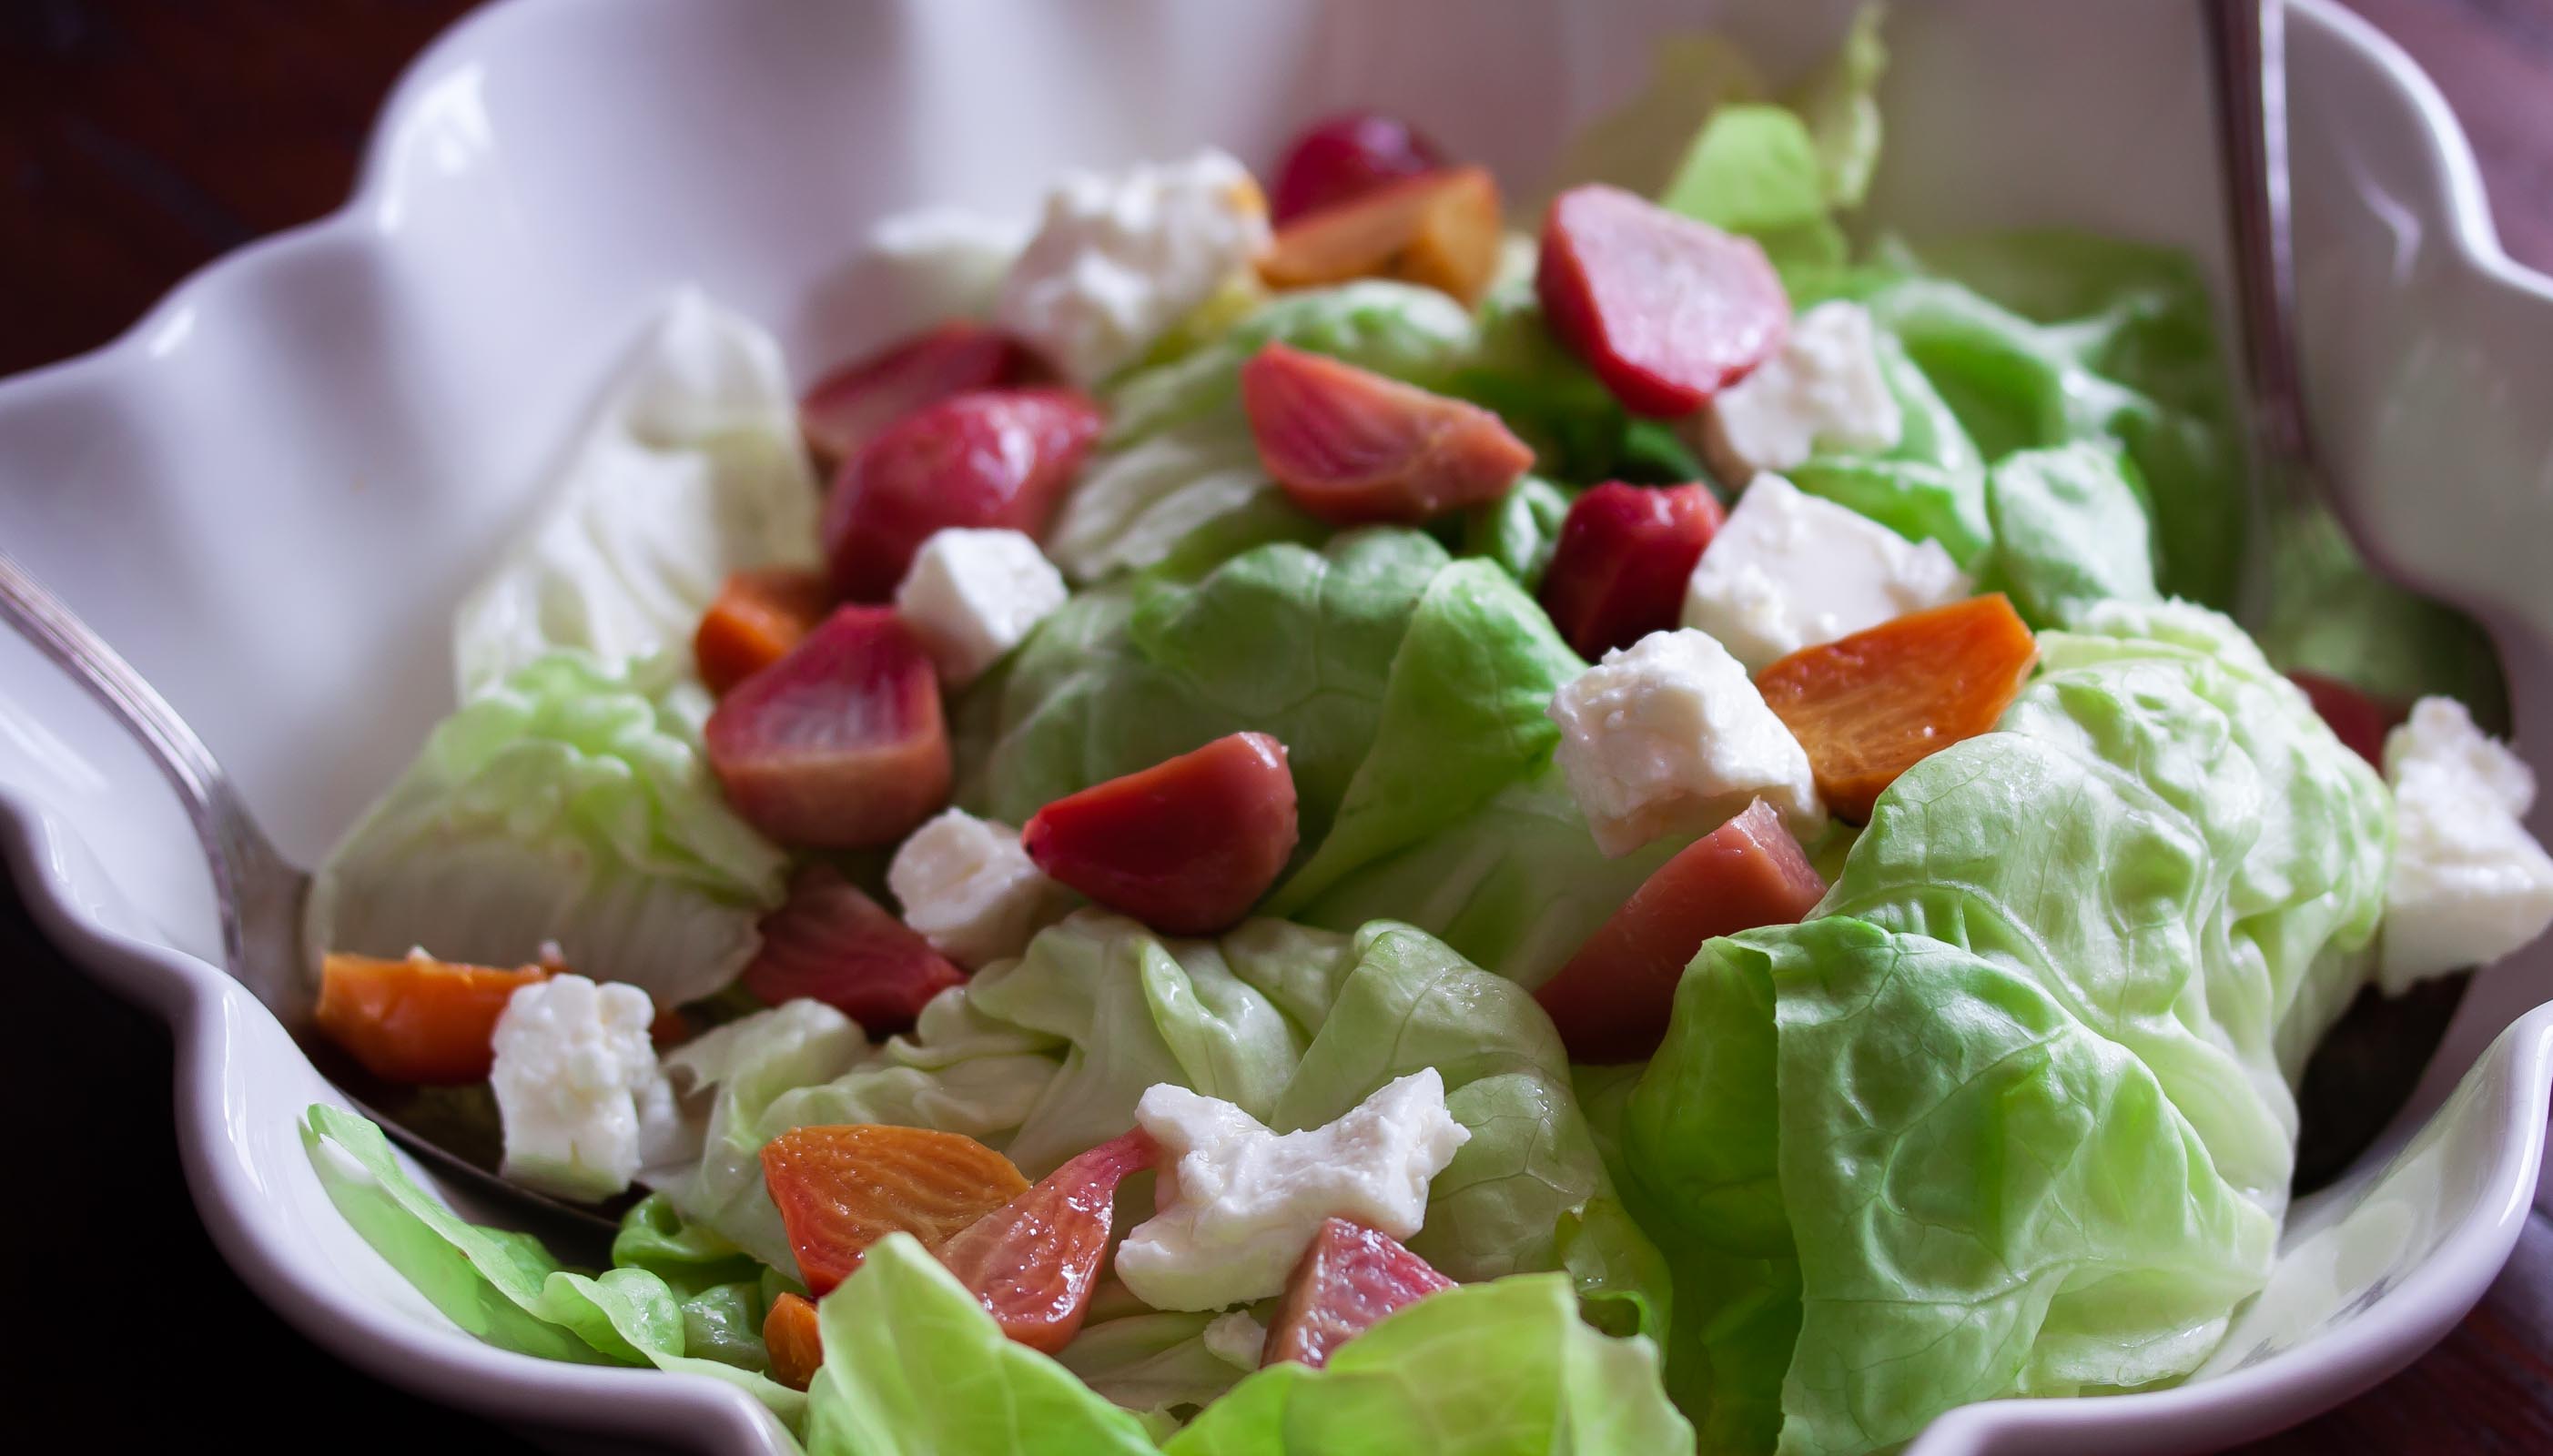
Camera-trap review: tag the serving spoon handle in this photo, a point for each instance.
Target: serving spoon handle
(260, 892)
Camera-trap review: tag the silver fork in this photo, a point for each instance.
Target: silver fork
(259, 893)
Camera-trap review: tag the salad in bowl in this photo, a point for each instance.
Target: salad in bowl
(1353, 812)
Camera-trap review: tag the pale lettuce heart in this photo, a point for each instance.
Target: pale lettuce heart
(691, 470)
(566, 804)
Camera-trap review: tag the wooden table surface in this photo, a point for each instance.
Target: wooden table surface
(138, 140)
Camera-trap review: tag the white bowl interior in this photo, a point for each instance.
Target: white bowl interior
(273, 492)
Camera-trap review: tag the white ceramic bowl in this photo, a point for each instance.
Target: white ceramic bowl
(271, 492)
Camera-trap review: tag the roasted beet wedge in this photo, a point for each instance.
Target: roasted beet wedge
(858, 401)
(1612, 1000)
(1347, 156)
(840, 745)
(1349, 1280)
(757, 617)
(1440, 230)
(1873, 704)
(1624, 558)
(833, 944)
(790, 1337)
(1186, 846)
(1355, 448)
(1666, 310)
(991, 458)
(1033, 1260)
(842, 1188)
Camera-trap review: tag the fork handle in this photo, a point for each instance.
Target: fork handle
(239, 853)
(2247, 48)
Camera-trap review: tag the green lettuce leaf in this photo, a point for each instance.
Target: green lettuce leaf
(1137, 507)
(1518, 531)
(913, 1365)
(2071, 531)
(1931, 487)
(1408, 688)
(1755, 169)
(1839, 104)
(691, 470)
(570, 803)
(1485, 1369)
(2113, 927)
(501, 1285)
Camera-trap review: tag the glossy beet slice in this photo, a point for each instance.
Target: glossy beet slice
(842, 1188)
(1353, 447)
(1348, 1280)
(1186, 846)
(1666, 310)
(2353, 717)
(858, 401)
(1347, 156)
(1624, 556)
(793, 1341)
(1612, 1000)
(757, 617)
(1033, 1260)
(992, 458)
(840, 745)
(1873, 704)
(1441, 230)
(830, 943)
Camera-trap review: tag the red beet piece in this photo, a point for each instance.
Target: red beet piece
(840, 745)
(1033, 1260)
(1346, 156)
(991, 458)
(2353, 717)
(1666, 310)
(835, 944)
(1186, 846)
(858, 401)
(1612, 1000)
(1354, 447)
(1348, 1280)
(1626, 552)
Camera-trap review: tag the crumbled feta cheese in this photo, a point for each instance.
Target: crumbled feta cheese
(1240, 1205)
(1118, 260)
(945, 262)
(583, 1101)
(1669, 735)
(971, 891)
(1236, 1339)
(1824, 387)
(1788, 571)
(973, 595)
(2470, 884)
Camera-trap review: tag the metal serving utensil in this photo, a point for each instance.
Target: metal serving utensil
(261, 895)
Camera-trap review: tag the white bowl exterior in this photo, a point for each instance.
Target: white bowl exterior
(270, 493)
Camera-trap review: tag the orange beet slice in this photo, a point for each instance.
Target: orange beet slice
(1033, 1261)
(415, 1020)
(795, 1347)
(1439, 228)
(842, 1188)
(757, 617)
(1873, 704)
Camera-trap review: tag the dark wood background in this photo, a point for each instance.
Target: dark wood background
(138, 140)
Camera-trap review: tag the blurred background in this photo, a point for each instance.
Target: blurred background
(138, 139)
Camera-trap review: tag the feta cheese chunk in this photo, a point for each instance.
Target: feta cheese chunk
(1788, 571)
(2470, 884)
(943, 261)
(973, 595)
(583, 1103)
(1670, 736)
(971, 891)
(1241, 1203)
(1118, 260)
(1236, 1339)
(1824, 387)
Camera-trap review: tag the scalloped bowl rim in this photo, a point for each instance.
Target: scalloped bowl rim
(203, 1008)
